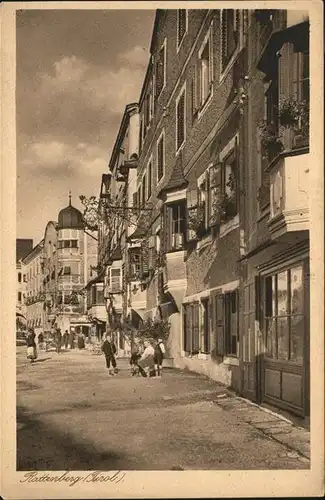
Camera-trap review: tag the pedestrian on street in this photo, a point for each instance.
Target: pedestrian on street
(66, 339)
(31, 346)
(71, 339)
(160, 352)
(109, 350)
(58, 340)
(134, 359)
(146, 362)
(41, 343)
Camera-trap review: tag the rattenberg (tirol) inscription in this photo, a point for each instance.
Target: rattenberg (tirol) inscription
(73, 479)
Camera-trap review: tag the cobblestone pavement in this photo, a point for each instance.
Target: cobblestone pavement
(72, 415)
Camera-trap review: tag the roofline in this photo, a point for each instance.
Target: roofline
(134, 106)
(39, 247)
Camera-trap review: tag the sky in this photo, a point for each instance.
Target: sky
(76, 72)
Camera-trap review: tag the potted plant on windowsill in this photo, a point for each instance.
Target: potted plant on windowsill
(270, 140)
(294, 120)
(196, 221)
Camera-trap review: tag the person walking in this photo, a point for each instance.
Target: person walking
(159, 355)
(31, 346)
(146, 362)
(71, 339)
(40, 339)
(58, 340)
(66, 339)
(109, 349)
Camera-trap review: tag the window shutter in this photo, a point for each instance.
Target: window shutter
(258, 298)
(213, 321)
(220, 326)
(115, 281)
(144, 257)
(160, 158)
(287, 79)
(180, 120)
(223, 37)
(160, 70)
(194, 92)
(196, 328)
(187, 336)
(191, 211)
(216, 189)
(166, 229)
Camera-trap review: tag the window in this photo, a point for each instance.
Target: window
(149, 175)
(181, 25)
(67, 271)
(19, 296)
(19, 277)
(284, 315)
(191, 330)
(176, 217)
(230, 30)
(206, 69)
(160, 70)
(180, 120)
(114, 280)
(231, 323)
(24, 278)
(141, 134)
(143, 194)
(148, 108)
(135, 263)
(67, 244)
(161, 157)
(205, 343)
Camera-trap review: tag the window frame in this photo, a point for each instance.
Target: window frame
(163, 46)
(182, 92)
(149, 178)
(203, 103)
(161, 137)
(225, 69)
(179, 41)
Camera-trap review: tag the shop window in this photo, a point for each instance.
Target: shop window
(230, 32)
(191, 328)
(175, 225)
(180, 120)
(284, 315)
(181, 25)
(161, 157)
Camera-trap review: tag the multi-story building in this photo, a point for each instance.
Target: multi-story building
(219, 191)
(117, 255)
(33, 281)
(274, 321)
(68, 256)
(23, 247)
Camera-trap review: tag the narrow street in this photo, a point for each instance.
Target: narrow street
(72, 415)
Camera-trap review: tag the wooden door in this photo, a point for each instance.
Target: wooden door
(248, 358)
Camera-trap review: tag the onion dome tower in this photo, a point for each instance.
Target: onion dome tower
(70, 217)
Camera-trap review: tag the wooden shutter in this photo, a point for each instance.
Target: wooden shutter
(213, 321)
(216, 190)
(149, 179)
(220, 324)
(187, 328)
(194, 92)
(115, 281)
(144, 257)
(152, 252)
(195, 328)
(160, 158)
(180, 120)
(258, 298)
(191, 210)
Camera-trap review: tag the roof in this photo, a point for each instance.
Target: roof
(23, 247)
(70, 218)
(129, 108)
(34, 252)
(176, 180)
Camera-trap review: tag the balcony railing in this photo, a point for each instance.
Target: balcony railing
(70, 278)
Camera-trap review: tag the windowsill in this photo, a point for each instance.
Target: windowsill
(224, 73)
(180, 148)
(229, 226)
(204, 106)
(231, 360)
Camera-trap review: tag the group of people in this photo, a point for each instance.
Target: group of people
(66, 340)
(147, 363)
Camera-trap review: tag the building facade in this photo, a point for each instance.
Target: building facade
(211, 225)
(33, 288)
(69, 255)
(23, 247)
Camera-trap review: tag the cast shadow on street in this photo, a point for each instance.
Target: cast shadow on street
(41, 447)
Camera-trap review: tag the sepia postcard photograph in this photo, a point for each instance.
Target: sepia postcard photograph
(163, 308)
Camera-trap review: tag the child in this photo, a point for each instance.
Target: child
(135, 356)
(109, 350)
(160, 351)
